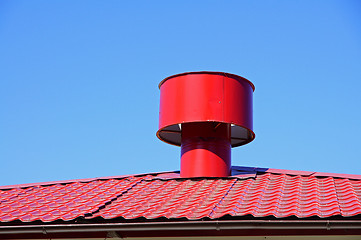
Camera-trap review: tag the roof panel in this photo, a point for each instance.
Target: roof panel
(264, 193)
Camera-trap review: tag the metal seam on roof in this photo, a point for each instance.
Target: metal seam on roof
(113, 199)
(220, 202)
(334, 185)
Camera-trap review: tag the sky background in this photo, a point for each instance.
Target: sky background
(79, 93)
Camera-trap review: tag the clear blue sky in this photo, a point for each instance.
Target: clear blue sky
(79, 81)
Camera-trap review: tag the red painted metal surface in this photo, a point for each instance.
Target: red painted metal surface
(280, 195)
(206, 150)
(210, 101)
(206, 97)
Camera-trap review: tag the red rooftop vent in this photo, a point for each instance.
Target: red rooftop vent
(206, 113)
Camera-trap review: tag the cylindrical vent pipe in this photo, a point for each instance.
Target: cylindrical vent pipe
(206, 113)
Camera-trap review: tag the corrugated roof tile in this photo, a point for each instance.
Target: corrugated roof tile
(152, 196)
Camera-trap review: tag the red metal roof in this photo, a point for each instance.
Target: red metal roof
(250, 192)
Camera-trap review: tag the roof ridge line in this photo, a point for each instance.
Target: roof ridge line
(26, 185)
(310, 173)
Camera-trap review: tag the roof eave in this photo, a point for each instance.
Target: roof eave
(243, 227)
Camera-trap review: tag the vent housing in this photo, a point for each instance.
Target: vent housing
(206, 113)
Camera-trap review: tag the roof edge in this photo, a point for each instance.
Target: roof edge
(25, 185)
(239, 172)
(184, 226)
(243, 170)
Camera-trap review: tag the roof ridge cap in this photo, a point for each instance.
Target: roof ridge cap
(314, 174)
(26, 185)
